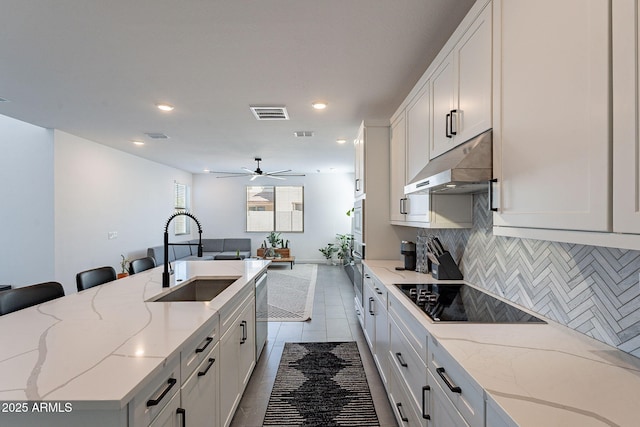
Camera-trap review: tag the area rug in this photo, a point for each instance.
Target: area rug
(290, 293)
(320, 384)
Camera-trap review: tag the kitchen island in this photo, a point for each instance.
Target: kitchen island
(527, 375)
(88, 356)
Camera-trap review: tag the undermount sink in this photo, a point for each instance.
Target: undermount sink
(197, 290)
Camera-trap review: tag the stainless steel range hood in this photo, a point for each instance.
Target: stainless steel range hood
(464, 169)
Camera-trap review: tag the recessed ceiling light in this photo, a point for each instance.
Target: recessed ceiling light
(319, 105)
(341, 141)
(138, 142)
(165, 107)
(206, 171)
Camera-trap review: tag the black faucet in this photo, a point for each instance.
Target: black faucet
(165, 273)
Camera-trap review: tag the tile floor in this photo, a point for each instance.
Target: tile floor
(333, 319)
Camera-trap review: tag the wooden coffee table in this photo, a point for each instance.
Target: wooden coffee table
(290, 259)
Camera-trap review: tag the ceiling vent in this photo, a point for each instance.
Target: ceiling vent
(270, 113)
(156, 135)
(303, 133)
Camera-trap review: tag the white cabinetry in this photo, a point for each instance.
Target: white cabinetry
(409, 150)
(360, 162)
(626, 117)
(552, 107)
(200, 394)
(152, 399)
(237, 354)
(376, 329)
(461, 88)
(171, 415)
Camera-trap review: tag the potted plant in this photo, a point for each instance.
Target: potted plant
(274, 239)
(328, 252)
(344, 247)
(125, 267)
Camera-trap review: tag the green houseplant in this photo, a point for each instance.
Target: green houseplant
(344, 247)
(125, 267)
(328, 252)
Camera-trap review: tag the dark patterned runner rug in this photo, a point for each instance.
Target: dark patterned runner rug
(321, 384)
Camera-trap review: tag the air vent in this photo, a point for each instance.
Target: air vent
(156, 135)
(270, 113)
(303, 133)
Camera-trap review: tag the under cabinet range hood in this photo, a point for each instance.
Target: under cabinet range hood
(464, 169)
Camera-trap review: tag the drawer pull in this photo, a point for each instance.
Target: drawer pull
(182, 412)
(424, 402)
(401, 360)
(211, 362)
(378, 291)
(402, 417)
(170, 383)
(371, 312)
(243, 325)
(206, 344)
(447, 381)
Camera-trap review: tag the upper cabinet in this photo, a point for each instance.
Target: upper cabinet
(461, 88)
(552, 109)
(626, 114)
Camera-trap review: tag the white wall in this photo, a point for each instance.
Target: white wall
(26, 173)
(100, 190)
(220, 206)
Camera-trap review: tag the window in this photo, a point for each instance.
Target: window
(275, 208)
(182, 224)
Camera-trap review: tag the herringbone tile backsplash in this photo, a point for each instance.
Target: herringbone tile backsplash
(591, 289)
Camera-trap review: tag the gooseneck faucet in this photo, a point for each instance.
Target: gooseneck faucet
(165, 273)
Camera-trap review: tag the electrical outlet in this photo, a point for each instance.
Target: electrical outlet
(112, 235)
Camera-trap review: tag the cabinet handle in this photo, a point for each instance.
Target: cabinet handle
(357, 184)
(403, 206)
(447, 381)
(453, 132)
(401, 360)
(170, 383)
(182, 412)
(378, 291)
(371, 309)
(402, 417)
(491, 182)
(366, 276)
(424, 402)
(211, 362)
(206, 344)
(446, 126)
(243, 325)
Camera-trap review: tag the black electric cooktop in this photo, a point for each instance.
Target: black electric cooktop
(463, 303)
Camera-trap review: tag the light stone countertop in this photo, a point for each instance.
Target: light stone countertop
(539, 374)
(100, 346)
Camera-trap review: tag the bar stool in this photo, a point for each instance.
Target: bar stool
(27, 296)
(94, 277)
(141, 264)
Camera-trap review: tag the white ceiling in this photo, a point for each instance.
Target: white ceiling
(96, 69)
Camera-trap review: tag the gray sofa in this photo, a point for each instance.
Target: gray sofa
(219, 249)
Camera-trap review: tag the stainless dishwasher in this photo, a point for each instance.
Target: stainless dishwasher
(261, 313)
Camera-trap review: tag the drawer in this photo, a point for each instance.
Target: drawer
(442, 411)
(410, 365)
(231, 310)
(152, 399)
(405, 410)
(465, 394)
(197, 348)
(415, 332)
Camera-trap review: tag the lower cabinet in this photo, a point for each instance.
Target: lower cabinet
(172, 415)
(443, 413)
(200, 395)
(376, 330)
(237, 359)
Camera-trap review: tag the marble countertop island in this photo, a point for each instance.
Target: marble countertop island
(539, 374)
(99, 346)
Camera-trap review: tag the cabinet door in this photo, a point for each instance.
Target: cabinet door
(359, 166)
(247, 344)
(200, 393)
(418, 132)
(229, 388)
(397, 160)
(369, 313)
(381, 330)
(442, 85)
(551, 123)
(171, 415)
(443, 413)
(473, 83)
(626, 122)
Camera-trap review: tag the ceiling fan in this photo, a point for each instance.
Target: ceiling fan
(280, 174)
